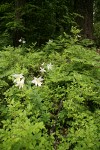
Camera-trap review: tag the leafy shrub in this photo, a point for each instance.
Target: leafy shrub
(59, 112)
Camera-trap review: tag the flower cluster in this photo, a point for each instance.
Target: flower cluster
(21, 40)
(19, 78)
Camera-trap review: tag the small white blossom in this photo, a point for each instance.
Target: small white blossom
(17, 77)
(42, 64)
(20, 40)
(42, 70)
(49, 66)
(20, 83)
(23, 42)
(50, 41)
(78, 36)
(37, 81)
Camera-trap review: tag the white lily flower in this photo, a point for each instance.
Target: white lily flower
(17, 77)
(42, 70)
(20, 40)
(50, 41)
(23, 42)
(49, 66)
(37, 81)
(78, 36)
(20, 83)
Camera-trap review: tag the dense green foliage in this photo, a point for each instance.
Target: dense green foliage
(62, 113)
(39, 21)
(36, 21)
(49, 75)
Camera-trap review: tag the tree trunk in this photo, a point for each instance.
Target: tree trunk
(85, 9)
(17, 33)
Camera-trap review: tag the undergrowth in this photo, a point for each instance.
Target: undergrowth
(56, 107)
